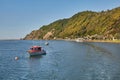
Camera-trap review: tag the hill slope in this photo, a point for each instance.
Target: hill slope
(104, 24)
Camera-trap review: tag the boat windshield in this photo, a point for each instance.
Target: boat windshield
(39, 48)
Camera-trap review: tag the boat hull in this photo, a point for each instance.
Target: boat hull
(42, 52)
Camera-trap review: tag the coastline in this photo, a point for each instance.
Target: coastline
(110, 41)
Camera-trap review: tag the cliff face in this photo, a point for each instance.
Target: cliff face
(87, 23)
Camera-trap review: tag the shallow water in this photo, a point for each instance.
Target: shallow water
(64, 61)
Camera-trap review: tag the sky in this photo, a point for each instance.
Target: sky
(19, 17)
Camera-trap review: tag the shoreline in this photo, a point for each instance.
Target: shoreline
(109, 41)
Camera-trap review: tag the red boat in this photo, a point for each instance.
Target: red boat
(36, 50)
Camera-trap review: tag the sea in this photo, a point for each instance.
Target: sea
(65, 60)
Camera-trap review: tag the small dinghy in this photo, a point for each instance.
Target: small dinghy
(46, 43)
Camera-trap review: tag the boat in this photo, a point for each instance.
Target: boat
(79, 40)
(46, 43)
(36, 50)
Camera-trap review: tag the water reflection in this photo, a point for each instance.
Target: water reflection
(35, 57)
(101, 50)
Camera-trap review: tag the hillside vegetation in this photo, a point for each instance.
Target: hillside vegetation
(95, 25)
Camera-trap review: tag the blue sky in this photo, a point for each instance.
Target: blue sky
(20, 17)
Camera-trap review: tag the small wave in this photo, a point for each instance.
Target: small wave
(11, 50)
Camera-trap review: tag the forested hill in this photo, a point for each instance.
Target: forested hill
(103, 25)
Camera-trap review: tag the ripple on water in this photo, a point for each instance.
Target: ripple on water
(64, 61)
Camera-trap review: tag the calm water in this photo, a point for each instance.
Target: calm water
(64, 61)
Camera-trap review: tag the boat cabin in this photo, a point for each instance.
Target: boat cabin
(36, 48)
